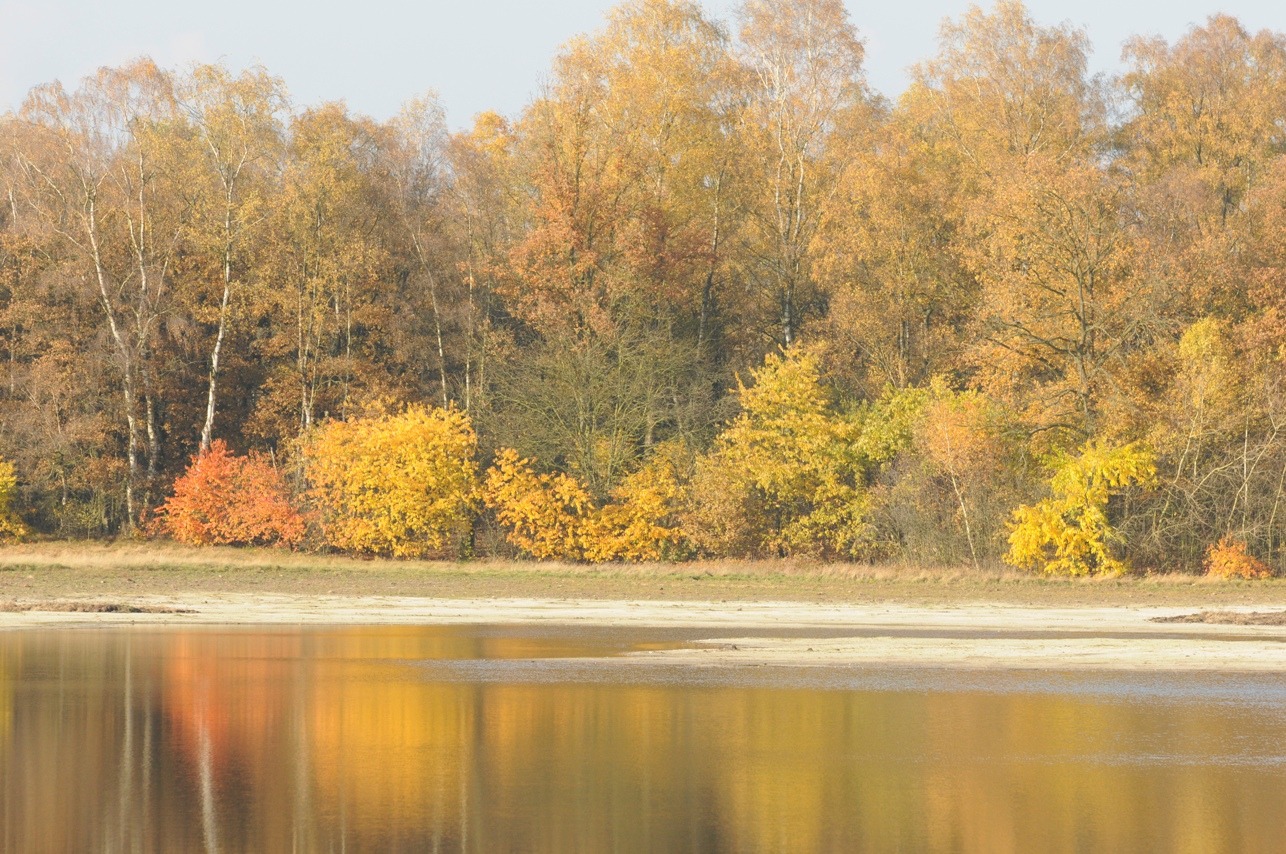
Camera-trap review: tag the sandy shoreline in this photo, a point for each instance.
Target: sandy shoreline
(967, 635)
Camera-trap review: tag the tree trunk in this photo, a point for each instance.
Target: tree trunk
(211, 397)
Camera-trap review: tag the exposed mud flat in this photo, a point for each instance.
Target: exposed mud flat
(1228, 618)
(775, 633)
(89, 607)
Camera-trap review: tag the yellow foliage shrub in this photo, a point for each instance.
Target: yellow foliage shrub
(787, 475)
(642, 520)
(11, 527)
(400, 485)
(1069, 534)
(1229, 558)
(723, 516)
(549, 516)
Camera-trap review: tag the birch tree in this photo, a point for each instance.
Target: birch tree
(236, 148)
(93, 178)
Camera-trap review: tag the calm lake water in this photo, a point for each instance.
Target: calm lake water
(489, 739)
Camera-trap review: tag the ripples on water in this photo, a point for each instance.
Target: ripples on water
(486, 739)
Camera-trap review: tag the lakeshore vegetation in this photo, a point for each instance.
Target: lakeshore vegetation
(708, 296)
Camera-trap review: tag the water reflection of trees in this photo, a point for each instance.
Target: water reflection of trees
(312, 741)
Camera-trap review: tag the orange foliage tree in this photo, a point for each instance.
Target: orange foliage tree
(1229, 558)
(960, 439)
(223, 499)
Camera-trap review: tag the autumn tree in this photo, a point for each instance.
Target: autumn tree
(414, 155)
(96, 178)
(1071, 533)
(625, 157)
(787, 475)
(223, 499)
(11, 526)
(1018, 121)
(643, 521)
(898, 290)
(1061, 308)
(1002, 89)
(58, 424)
(481, 213)
(322, 259)
(398, 484)
(805, 87)
(1207, 109)
(548, 516)
(1203, 129)
(233, 147)
(612, 285)
(671, 106)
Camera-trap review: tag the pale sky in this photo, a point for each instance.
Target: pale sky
(477, 54)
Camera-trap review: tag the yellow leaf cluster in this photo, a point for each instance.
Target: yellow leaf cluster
(1070, 533)
(551, 516)
(548, 515)
(1211, 383)
(11, 527)
(641, 522)
(400, 485)
(790, 469)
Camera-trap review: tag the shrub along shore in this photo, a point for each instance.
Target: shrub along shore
(789, 475)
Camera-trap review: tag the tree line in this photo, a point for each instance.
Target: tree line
(709, 284)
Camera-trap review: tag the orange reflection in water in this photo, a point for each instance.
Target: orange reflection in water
(222, 695)
(339, 738)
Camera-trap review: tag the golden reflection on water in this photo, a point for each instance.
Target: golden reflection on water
(321, 740)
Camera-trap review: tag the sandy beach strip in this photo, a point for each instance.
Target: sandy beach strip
(972, 635)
